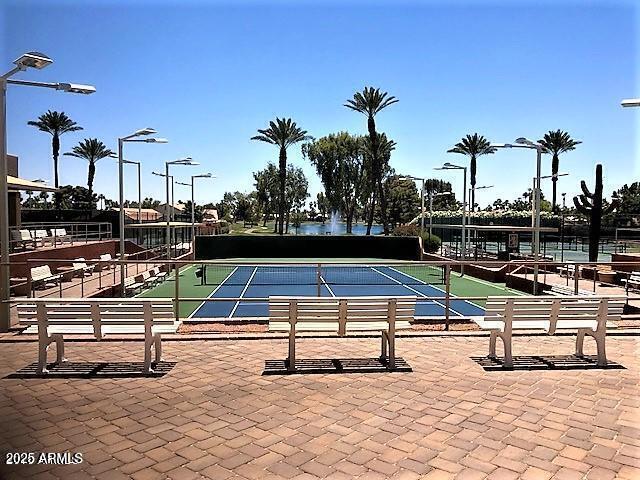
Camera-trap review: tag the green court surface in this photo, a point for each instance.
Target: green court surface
(190, 285)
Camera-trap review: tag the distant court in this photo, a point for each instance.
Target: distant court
(261, 281)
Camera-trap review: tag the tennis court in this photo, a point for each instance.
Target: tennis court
(262, 281)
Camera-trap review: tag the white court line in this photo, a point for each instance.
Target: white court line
(214, 291)
(413, 289)
(324, 282)
(235, 307)
(433, 286)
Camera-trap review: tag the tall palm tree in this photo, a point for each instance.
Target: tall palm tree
(283, 133)
(370, 102)
(556, 143)
(92, 150)
(473, 146)
(55, 124)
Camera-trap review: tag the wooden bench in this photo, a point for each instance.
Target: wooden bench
(104, 262)
(60, 235)
(51, 319)
(42, 276)
(632, 281)
(341, 315)
(584, 315)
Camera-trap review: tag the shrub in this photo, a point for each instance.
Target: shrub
(429, 243)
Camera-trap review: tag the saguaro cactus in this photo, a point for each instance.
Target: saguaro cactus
(590, 204)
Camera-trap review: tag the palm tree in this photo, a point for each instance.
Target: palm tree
(473, 146)
(56, 124)
(92, 150)
(283, 133)
(370, 102)
(556, 143)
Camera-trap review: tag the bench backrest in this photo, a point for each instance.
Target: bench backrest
(96, 312)
(41, 272)
(341, 310)
(41, 234)
(79, 263)
(25, 235)
(106, 257)
(554, 311)
(129, 281)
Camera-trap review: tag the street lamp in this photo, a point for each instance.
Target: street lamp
(132, 162)
(631, 102)
(181, 161)
(133, 137)
(38, 61)
(193, 205)
(483, 187)
(451, 166)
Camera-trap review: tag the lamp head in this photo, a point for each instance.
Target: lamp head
(204, 175)
(145, 131)
(32, 60)
(76, 88)
(156, 140)
(631, 102)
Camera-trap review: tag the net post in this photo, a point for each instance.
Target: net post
(576, 278)
(447, 300)
(319, 279)
(176, 270)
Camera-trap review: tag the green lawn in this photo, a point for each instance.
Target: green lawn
(189, 287)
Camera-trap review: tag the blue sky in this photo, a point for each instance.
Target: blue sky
(206, 75)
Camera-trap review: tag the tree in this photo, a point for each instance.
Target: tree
(323, 205)
(473, 146)
(383, 147)
(403, 200)
(370, 102)
(91, 150)
(556, 143)
(339, 161)
(297, 188)
(433, 186)
(283, 133)
(628, 199)
(55, 124)
(267, 188)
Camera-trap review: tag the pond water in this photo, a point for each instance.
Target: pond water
(337, 228)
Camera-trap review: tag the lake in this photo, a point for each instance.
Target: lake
(340, 228)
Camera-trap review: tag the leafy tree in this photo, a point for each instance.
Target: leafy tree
(339, 161)
(55, 124)
(91, 150)
(403, 200)
(323, 205)
(433, 186)
(75, 197)
(556, 143)
(370, 102)
(149, 202)
(297, 188)
(473, 146)
(283, 133)
(383, 170)
(267, 188)
(628, 199)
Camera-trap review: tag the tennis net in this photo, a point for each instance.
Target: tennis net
(316, 274)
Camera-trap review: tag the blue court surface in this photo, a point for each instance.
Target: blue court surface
(245, 282)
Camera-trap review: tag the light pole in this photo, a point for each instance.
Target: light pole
(193, 205)
(483, 187)
(631, 102)
(38, 61)
(181, 161)
(451, 166)
(132, 162)
(431, 197)
(133, 137)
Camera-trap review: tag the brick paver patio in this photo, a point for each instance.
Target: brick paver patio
(215, 416)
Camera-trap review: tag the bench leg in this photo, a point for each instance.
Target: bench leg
(42, 356)
(59, 348)
(158, 347)
(579, 343)
(599, 337)
(492, 344)
(508, 358)
(383, 346)
(291, 359)
(392, 351)
(148, 343)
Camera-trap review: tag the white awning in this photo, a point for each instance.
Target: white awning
(20, 184)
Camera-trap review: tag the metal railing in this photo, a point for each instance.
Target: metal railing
(518, 275)
(35, 235)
